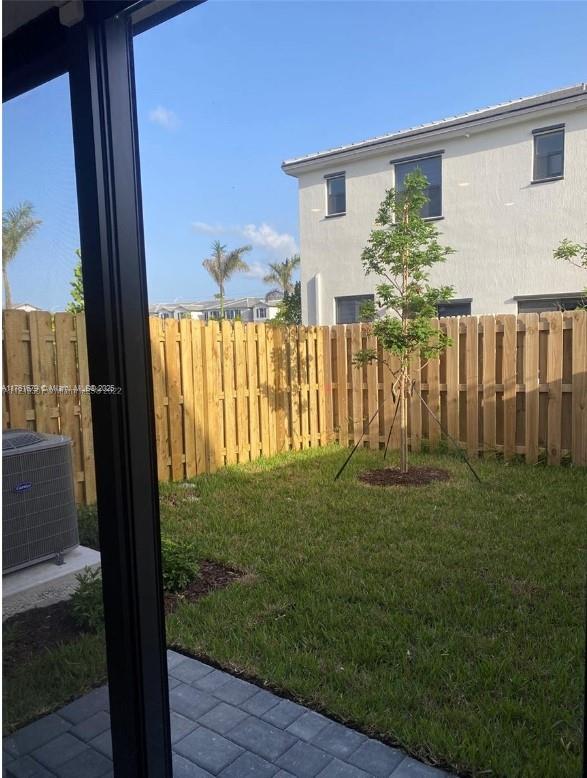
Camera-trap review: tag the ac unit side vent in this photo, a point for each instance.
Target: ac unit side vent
(39, 518)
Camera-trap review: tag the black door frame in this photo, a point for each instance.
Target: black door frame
(98, 54)
(115, 293)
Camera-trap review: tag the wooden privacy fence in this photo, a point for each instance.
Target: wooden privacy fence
(227, 393)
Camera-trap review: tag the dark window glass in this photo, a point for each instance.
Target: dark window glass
(336, 190)
(549, 155)
(540, 304)
(348, 309)
(454, 308)
(432, 169)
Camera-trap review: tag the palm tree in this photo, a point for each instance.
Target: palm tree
(222, 265)
(281, 273)
(18, 225)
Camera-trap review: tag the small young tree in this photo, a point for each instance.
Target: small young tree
(401, 250)
(290, 308)
(77, 287)
(575, 254)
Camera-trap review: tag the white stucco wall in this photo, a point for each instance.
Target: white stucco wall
(503, 227)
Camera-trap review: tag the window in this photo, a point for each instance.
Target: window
(261, 313)
(335, 194)
(233, 313)
(431, 167)
(549, 153)
(454, 308)
(348, 309)
(548, 303)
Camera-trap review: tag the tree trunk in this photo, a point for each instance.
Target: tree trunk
(222, 301)
(403, 421)
(7, 295)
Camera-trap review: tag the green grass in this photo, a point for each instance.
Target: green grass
(446, 618)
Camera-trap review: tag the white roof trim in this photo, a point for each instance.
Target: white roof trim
(497, 113)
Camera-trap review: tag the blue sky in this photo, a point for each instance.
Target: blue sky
(228, 90)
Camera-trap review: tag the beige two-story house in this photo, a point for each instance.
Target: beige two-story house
(506, 185)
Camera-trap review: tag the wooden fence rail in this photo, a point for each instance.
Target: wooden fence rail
(228, 393)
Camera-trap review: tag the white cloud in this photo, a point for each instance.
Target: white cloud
(268, 238)
(263, 236)
(256, 271)
(164, 117)
(209, 229)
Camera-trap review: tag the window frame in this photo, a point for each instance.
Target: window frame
(533, 302)
(538, 133)
(418, 158)
(363, 298)
(462, 301)
(327, 179)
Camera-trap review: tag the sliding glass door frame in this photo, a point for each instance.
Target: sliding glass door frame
(97, 53)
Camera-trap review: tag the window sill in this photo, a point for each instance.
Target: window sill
(334, 215)
(547, 180)
(433, 218)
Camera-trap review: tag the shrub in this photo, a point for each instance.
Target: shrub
(87, 522)
(180, 566)
(87, 605)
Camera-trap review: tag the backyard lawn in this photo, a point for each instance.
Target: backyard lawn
(448, 618)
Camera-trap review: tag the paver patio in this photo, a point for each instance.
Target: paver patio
(220, 726)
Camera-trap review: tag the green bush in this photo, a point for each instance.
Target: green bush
(87, 522)
(87, 605)
(180, 566)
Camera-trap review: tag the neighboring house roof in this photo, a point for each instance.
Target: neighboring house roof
(489, 115)
(25, 307)
(214, 305)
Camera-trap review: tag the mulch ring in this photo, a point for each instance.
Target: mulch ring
(392, 476)
(212, 576)
(29, 634)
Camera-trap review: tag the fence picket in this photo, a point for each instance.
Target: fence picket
(18, 371)
(489, 392)
(472, 362)
(174, 409)
(554, 379)
(211, 362)
(509, 369)
(200, 404)
(356, 375)
(188, 397)
(253, 406)
(372, 395)
(433, 371)
(578, 320)
(240, 364)
(85, 412)
(266, 390)
(452, 378)
(342, 392)
(415, 404)
(69, 409)
(531, 386)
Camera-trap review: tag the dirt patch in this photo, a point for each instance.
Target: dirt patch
(29, 634)
(392, 476)
(212, 576)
